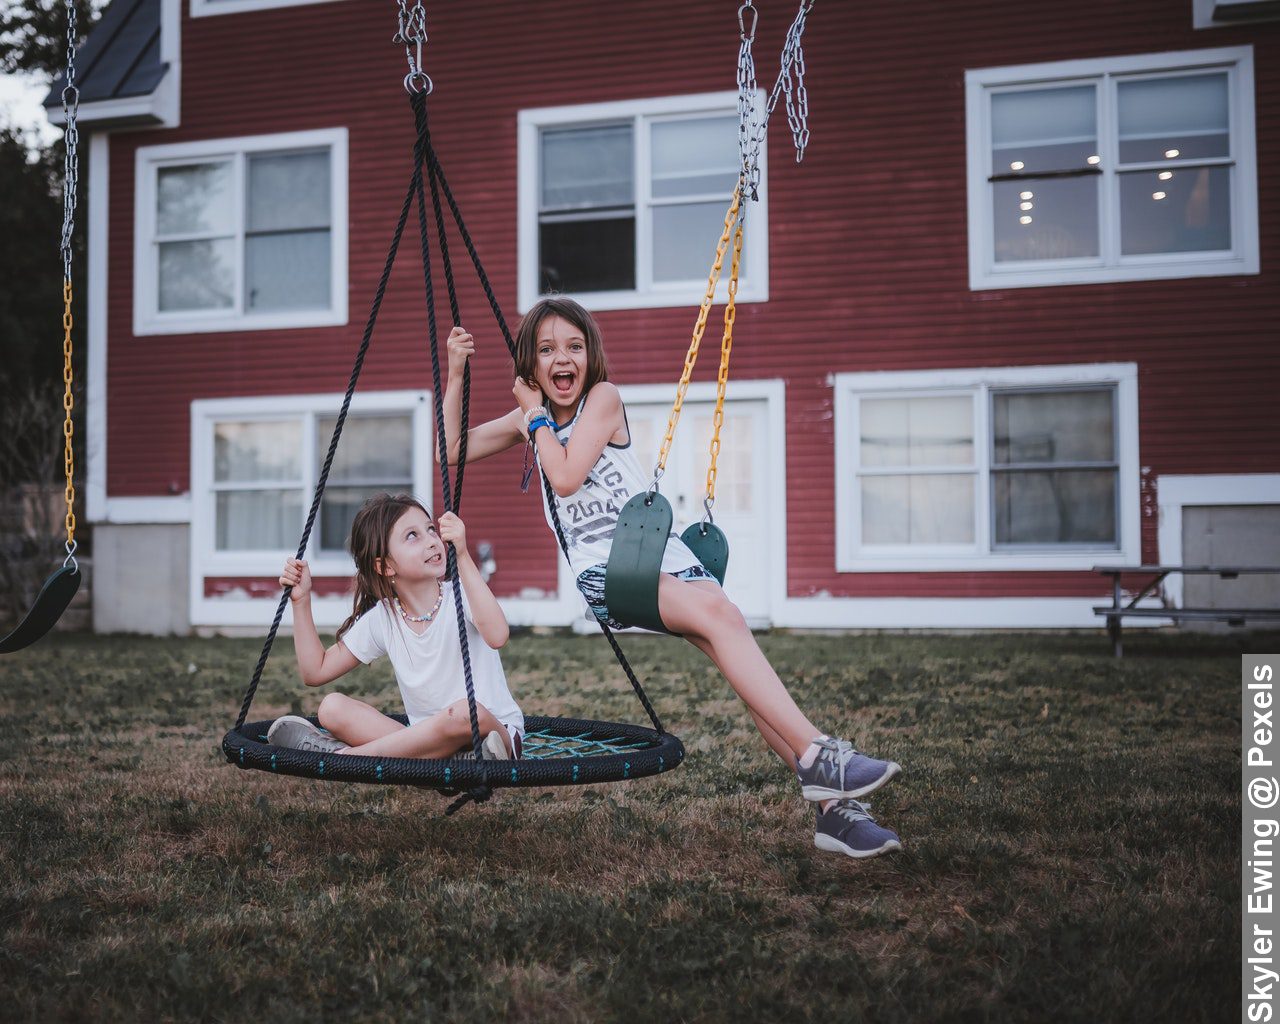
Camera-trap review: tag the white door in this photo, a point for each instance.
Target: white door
(742, 472)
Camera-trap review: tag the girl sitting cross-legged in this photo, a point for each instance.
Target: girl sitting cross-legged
(404, 608)
(574, 419)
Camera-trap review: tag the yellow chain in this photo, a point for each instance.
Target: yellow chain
(67, 426)
(726, 346)
(691, 357)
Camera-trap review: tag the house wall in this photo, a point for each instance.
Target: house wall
(869, 259)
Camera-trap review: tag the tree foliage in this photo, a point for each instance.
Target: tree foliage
(33, 34)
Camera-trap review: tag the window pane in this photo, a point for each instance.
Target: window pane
(1187, 210)
(250, 452)
(197, 275)
(588, 255)
(917, 431)
(1056, 507)
(372, 448)
(694, 157)
(1044, 129)
(1040, 219)
(917, 509)
(684, 242)
(1174, 118)
(1053, 427)
(289, 190)
(287, 271)
(339, 507)
(258, 520)
(195, 199)
(587, 167)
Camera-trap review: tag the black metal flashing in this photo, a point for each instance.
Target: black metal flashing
(121, 57)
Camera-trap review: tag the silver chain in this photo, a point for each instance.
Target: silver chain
(413, 36)
(790, 82)
(71, 138)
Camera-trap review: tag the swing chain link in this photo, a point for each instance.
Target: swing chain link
(691, 357)
(726, 347)
(752, 124)
(413, 35)
(70, 189)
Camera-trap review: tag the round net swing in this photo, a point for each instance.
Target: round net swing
(557, 751)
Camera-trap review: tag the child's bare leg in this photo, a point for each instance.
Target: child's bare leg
(441, 735)
(771, 737)
(700, 609)
(353, 721)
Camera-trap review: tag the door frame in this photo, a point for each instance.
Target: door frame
(773, 393)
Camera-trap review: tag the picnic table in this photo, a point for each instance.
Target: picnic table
(1117, 611)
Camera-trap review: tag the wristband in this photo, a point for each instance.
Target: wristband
(540, 421)
(536, 411)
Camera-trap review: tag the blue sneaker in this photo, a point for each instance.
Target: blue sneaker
(848, 828)
(840, 772)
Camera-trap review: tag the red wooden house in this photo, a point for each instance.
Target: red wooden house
(1015, 315)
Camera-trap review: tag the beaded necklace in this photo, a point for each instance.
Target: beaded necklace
(420, 618)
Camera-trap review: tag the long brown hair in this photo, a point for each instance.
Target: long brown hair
(527, 339)
(370, 533)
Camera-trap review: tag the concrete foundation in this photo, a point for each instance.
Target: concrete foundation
(141, 579)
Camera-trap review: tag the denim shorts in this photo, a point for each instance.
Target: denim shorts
(591, 583)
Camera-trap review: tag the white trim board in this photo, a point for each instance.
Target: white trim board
(1176, 491)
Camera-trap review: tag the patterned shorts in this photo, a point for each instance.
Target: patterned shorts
(591, 583)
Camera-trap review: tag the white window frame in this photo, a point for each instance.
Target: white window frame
(1110, 264)
(851, 556)
(208, 8)
(642, 112)
(206, 560)
(147, 317)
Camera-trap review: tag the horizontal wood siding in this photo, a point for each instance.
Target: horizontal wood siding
(868, 238)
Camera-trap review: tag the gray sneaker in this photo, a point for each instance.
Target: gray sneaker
(840, 772)
(848, 828)
(298, 733)
(493, 747)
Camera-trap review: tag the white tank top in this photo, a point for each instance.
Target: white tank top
(590, 515)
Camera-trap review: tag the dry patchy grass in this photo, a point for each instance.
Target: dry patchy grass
(1070, 825)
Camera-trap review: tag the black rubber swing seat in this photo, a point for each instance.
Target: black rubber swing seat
(50, 603)
(557, 752)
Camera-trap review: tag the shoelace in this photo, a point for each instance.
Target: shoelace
(852, 811)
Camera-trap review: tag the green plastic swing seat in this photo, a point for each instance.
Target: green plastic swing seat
(635, 559)
(50, 603)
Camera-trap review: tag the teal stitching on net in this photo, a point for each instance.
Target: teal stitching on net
(321, 772)
(575, 773)
(626, 769)
(378, 771)
(661, 766)
(448, 774)
(273, 762)
(242, 756)
(513, 775)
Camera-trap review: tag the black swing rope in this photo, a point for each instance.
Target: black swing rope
(478, 775)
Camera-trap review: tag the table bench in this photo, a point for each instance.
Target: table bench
(1118, 610)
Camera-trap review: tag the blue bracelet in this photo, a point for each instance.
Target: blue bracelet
(540, 421)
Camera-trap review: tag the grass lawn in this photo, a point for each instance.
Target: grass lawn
(1070, 821)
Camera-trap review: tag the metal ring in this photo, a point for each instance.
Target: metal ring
(742, 28)
(412, 79)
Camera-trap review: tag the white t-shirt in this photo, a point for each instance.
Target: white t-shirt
(429, 667)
